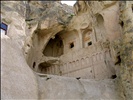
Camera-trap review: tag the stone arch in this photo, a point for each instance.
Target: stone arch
(100, 28)
(82, 62)
(87, 60)
(87, 38)
(77, 63)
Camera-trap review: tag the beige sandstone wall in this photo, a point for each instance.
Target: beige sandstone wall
(17, 79)
(57, 87)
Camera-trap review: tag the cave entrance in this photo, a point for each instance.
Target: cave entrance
(54, 48)
(42, 67)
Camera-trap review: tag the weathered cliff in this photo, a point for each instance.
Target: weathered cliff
(125, 48)
(17, 79)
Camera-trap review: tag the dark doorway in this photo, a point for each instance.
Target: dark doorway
(71, 45)
(54, 47)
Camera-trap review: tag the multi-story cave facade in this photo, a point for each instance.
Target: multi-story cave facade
(91, 40)
(83, 48)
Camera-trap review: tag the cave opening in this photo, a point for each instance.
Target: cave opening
(122, 24)
(34, 64)
(42, 67)
(89, 43)
(71, 45)
(113, 76)
(54, 48)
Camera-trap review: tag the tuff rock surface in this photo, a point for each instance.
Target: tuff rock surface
(91, 42)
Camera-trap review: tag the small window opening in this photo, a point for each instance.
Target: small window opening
(113, 76)
(34, 64)
(122, 23)
(71, 45)
(28, 45)
(89, 43)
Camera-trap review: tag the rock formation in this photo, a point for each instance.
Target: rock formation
(87, 49)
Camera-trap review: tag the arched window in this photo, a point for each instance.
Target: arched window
(100, 29)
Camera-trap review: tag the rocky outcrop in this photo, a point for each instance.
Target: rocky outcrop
(45, 19)
(17, 79)
(71, 88)
(125, 48)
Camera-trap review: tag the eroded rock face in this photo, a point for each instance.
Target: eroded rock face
(45, 19)
(125, 49)
(17, 79)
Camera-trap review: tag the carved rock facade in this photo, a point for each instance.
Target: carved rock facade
(92, 41)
